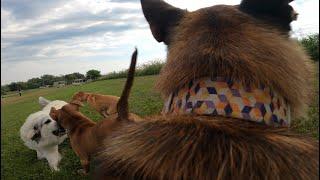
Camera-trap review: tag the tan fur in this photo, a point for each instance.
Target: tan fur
(104, 104)
(223, 41)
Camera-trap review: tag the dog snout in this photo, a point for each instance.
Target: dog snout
(60, 131)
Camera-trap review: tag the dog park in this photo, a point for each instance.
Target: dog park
(236, 98)
(21, 162)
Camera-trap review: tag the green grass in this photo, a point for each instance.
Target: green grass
(19, 162)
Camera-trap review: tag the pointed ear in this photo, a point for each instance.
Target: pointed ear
(77, 102)
(275, 12)
(43, 102)
(162, 17)
(53, 113)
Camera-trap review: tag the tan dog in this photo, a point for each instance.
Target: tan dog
(248, 46)
(84, 134)
(106, 105)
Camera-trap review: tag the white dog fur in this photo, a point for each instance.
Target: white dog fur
(43, 134)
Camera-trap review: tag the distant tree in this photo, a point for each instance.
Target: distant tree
(22, 85)
(47, 79)
(58, 78)
(4, 89)
(93, 74)
(78, 75)
(13, 86)
(311, 45)
(34, 83)
(69, 78)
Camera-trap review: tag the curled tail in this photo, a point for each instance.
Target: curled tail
(122, 106)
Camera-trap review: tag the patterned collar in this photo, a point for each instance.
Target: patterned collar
(222, 97)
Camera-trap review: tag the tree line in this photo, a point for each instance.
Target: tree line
(309, 43)
(48, 80)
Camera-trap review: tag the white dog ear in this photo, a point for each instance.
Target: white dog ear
(43, 102)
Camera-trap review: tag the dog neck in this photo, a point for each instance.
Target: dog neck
(222, 97)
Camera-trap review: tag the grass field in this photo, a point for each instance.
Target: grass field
(18, 162)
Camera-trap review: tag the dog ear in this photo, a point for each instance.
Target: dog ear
(43, 102)
(162, 17)
(275, 12)
(77, 102)
(53, 113)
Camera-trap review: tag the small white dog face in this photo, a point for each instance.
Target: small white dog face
(41, 133)
(45, 131)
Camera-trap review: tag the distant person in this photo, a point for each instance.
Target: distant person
(19, 90)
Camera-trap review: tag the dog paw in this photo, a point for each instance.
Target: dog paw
(82, 172)
(56, 169)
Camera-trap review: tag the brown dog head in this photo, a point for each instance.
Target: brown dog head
(65, 116)
(247, 43)
(80, 96)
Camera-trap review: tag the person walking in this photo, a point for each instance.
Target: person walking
(19, 91)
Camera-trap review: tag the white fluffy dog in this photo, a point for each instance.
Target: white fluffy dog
(43, 134)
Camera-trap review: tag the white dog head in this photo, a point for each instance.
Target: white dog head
(40, 129)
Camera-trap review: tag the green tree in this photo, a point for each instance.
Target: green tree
(78, 75)
(4, 89)
(34, 83)
(47, 79)
(13, 86)
(93, 74)
(311, 45)
(22, 85)
(69, 78)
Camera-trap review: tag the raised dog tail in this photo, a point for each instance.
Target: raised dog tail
(122, 106)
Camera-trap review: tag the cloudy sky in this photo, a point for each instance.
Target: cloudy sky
(65, 36)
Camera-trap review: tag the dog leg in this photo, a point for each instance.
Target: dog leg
(53, 157)
(85, 166)
(39, 155)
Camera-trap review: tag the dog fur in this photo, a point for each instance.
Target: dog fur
(228, 42)
(104, 104)
(247, 43)
(84, 133)
(42, 134)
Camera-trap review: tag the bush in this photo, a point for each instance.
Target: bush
(150, 68)
(311, 45)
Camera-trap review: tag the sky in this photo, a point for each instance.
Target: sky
(64, 36)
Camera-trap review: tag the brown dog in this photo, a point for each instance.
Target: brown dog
(84, 134)
(106, 105)
(222, 63)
